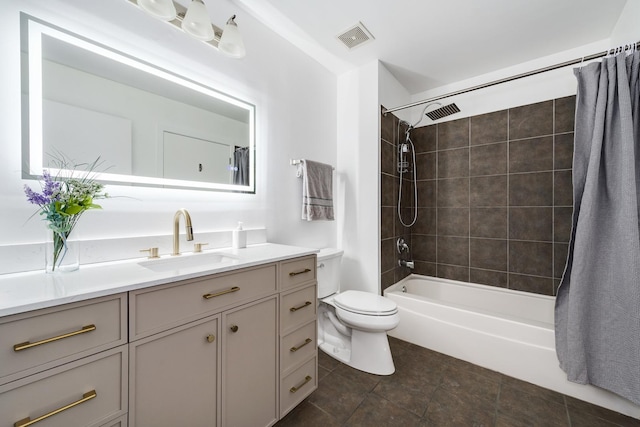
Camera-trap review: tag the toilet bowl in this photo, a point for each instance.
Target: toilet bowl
(353, 325)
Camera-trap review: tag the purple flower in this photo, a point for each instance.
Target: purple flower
(50, 191)
(36, 198)
(51, 187)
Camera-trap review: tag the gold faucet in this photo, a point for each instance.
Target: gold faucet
(176, 229)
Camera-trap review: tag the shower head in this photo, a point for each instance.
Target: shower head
(442, 112)
(424, 110)
(438, 113)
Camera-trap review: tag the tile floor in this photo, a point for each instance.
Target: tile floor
(431, 389)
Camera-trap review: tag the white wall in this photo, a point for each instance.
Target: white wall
(627, 30)
(295, 99)
(358, 167)
(393, 94)
(360, 94)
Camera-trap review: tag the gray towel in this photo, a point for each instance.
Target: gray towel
(317, 190)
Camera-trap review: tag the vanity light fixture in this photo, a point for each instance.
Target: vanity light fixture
(196, 23)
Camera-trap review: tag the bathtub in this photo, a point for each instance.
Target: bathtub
(500, 329)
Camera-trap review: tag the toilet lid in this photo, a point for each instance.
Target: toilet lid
(365, 303)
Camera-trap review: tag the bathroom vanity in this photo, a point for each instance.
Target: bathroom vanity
(228, 344)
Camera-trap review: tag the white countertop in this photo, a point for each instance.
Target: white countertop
(21, 292)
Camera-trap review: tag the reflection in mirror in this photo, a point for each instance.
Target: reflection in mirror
(150, 125)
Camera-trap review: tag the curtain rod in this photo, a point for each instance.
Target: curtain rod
(517, 76)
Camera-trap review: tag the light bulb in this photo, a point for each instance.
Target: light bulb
(161, 9)
(231, 41)
(197, 23)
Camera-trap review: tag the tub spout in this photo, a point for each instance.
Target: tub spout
(405, 263)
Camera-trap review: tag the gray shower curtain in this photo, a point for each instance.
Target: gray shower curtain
(597, 314)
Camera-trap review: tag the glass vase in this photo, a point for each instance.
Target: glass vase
(62, 252)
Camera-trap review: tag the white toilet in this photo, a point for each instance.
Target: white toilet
(353, 325)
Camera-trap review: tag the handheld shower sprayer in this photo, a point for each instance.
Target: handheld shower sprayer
(407, 164)
(404, 147)
(407, 156)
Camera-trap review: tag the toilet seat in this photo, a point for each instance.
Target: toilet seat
(365, 303)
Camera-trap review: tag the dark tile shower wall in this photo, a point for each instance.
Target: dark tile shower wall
(391, 229)
(494, 198)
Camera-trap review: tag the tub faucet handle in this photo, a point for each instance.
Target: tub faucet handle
(402, 245)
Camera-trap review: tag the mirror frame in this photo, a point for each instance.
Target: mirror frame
(31, 32)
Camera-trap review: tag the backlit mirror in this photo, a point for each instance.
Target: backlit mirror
(148, 125)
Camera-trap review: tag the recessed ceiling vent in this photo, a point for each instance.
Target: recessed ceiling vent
(355, 36)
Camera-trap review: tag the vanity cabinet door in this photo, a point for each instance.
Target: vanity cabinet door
(250, 366)
(174, 377)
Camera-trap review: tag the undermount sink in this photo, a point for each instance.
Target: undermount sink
(202, 260)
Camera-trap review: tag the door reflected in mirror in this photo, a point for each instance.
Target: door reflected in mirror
(150, 125)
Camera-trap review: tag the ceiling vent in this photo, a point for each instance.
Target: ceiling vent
(355, 36)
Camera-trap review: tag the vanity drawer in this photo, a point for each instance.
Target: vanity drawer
(42, 339)
(297, 346)
(156, 309)
(297, 308)
(297, 271)
(90, 390)
(298, 385)
(119, 422)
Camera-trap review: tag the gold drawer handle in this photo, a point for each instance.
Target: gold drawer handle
(26, 345)
(228, 291)
(307, 341)
(295, 273)
(28, 421)
(306, 304)
(296, 388)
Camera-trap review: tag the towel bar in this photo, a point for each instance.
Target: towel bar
(295, 162)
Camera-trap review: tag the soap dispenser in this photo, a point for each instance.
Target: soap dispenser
(239, 240)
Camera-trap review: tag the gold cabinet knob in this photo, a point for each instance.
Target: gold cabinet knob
(234, 328)
(211, 338)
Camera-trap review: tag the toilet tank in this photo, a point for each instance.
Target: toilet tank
(329, 271)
